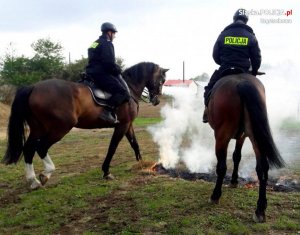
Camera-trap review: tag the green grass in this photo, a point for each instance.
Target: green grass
(146, 121)
(77, 200)
(290, 124)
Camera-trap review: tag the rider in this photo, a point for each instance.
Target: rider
(106, 73)
(234, 49)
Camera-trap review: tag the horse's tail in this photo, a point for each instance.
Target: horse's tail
(260, 123)
(16, 126)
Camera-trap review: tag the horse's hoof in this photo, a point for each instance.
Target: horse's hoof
(259, 218)
(43, 179)
(213, 201)
(233, 185)
(109, 177)
(35, 185)
(139, 157)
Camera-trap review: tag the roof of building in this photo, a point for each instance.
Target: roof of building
(179, 83)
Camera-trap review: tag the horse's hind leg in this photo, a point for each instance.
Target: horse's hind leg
(133, 143)
(236, 157)
(29, 151)
(42, 149)
(262, 168)
(221, 153)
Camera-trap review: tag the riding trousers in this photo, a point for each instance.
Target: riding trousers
(115, 86)
(207, 89)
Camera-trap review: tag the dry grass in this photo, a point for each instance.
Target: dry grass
(4, 114)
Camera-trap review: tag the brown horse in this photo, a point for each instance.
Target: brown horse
(51, 108)
(237, 109)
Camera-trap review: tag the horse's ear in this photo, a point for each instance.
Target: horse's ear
(164, 70)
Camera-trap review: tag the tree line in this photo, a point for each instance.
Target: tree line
(47, 62)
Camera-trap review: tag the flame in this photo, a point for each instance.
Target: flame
(148, 167)
(251, 185)
(155, 166)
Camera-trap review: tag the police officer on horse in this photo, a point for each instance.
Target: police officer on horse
(235, 50)
(106, 73)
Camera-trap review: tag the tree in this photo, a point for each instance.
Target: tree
(7, 66)
(48, 58)
(46, 63)
(72, 71)
(16, 70)
(204, 77)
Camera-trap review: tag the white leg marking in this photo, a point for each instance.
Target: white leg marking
(30, 174)
(31, 177)
(48, 166)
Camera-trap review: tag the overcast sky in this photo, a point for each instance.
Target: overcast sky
(166, 32)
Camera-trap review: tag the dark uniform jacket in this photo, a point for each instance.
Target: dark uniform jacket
(101, 58)
(236, 46)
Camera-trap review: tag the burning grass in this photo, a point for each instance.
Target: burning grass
(281, 184)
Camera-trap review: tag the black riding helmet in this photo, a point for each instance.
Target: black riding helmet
(105, 27)
(241, 14)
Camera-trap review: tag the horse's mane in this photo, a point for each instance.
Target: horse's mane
(138, 71)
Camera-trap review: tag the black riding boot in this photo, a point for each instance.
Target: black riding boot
(205, 115)
(109, 116)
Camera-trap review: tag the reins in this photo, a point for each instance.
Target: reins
(136, 100)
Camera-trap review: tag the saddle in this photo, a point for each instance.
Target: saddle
(237, 70)
(231, 70)
(99, 96)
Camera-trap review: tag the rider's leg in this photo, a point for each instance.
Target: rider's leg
(207, 90)
(120, 95)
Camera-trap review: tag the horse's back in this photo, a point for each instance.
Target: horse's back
(57, 102)
(226, 110)
(54, 94)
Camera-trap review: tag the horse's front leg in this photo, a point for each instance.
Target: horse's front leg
(117, 136)
(133, 143)
(49, 168)
(236, 157)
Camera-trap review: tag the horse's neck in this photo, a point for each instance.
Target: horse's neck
(135, 89)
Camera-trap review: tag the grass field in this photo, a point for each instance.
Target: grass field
(76, 200)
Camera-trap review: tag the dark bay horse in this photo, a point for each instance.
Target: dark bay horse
(51, 108)
(237, 109)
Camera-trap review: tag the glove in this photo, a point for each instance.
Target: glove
(254, 73)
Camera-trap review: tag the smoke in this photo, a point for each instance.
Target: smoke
(283, 92)
(183, 138)
(283, 102)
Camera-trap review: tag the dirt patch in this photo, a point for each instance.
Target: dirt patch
(4, 114)
(150, 111)
(99, 213)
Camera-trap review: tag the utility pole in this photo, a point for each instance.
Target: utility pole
(183, 72)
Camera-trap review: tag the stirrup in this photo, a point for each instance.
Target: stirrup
(109, 116)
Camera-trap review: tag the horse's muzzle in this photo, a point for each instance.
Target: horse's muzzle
(155, 100)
